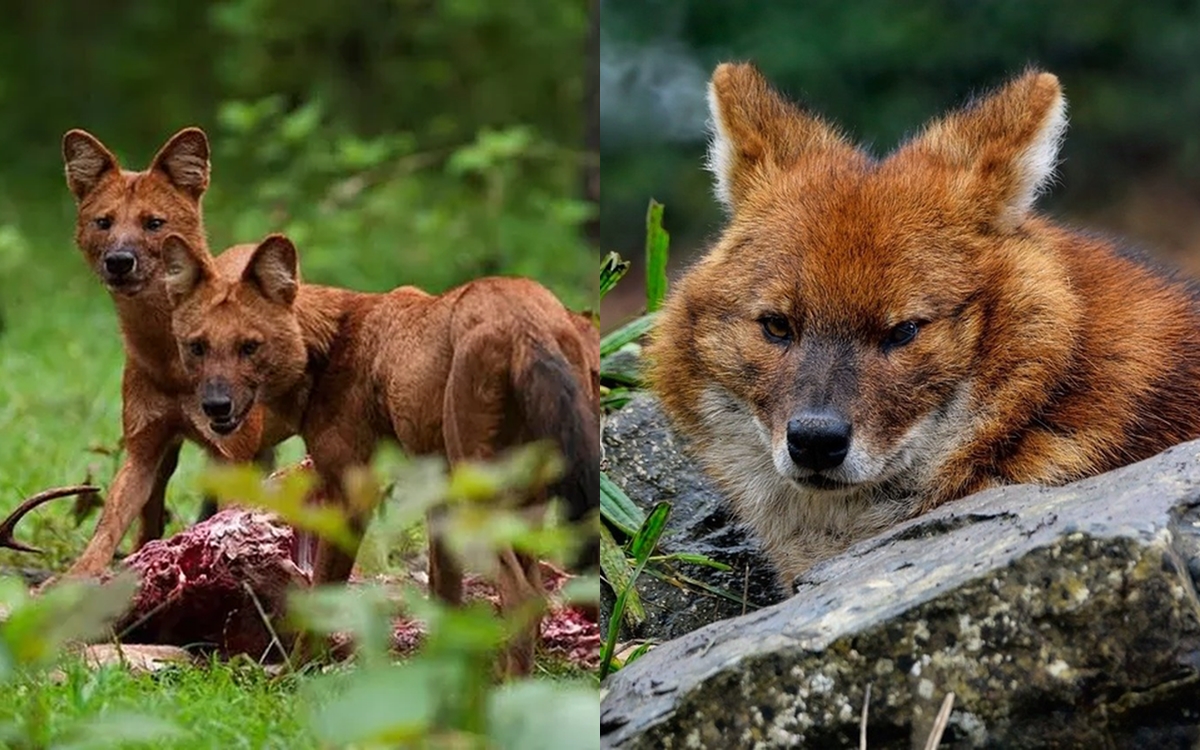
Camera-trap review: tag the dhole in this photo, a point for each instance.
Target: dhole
(123, 217)
(870, 338)
(490, 365)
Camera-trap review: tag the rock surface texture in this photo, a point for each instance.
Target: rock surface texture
(1059, 617)
(645, 459)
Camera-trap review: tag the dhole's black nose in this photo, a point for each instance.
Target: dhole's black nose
(120, 262)
(217, 405)
(818, 440)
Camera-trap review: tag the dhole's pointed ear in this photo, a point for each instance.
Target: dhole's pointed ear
(1005, 145)
(184, 268)
(184, 159)
(87, 161)
(274, 269)
(755, 131)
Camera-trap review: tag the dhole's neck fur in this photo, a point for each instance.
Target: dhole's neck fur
(871, 338)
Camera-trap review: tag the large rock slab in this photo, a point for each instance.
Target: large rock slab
(1059, 617)
(643, 457)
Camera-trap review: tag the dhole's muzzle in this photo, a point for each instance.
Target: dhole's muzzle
(219, 404)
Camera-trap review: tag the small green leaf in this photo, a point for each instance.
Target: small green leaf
(619, 573)
(540, 715)
(615, 398)
(630, 332)
(646, 539)
(611, 271)
(618, 509)
(692, 558)
(383, 704)
(657, 243)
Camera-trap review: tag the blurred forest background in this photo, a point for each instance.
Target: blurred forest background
(396, 141)
(1131, 72)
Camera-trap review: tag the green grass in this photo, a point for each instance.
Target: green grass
(220, 706)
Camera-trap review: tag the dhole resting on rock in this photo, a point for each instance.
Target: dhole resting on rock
(490, 365)
(870, 338)
(123, 217)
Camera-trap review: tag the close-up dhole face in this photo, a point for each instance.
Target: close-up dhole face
(124, 216)
(846, 303)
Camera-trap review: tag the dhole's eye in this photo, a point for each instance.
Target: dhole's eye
(901, 334)
(103, 223)
(776, 329)
(197, 347)
(248, 348)
(153, 224)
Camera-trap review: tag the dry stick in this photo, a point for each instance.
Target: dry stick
(939, 724)
(10, 524)
(275, 641)
(862, 727)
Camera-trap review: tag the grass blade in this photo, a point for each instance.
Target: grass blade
(631, 331)
(657, 243)
(646, 539)
(692, 558)
(611, 271)
(618, 509)
(620, 576)
(644, 542)
(611, 400)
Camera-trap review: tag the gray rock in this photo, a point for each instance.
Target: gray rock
(1059, 617)
(643, 457)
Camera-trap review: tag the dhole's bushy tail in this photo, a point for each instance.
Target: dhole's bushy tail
(556, 407)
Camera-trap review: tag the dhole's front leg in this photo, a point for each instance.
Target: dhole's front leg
(334, 450)
(146, 452)
(154, 512)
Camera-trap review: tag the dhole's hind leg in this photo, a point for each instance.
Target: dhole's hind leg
(520, 584)
(477, 393)
(445, 572)
(153, 515)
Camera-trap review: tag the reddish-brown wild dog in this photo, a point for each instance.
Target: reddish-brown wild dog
(490, 365)
(871, 338)
(123, 217)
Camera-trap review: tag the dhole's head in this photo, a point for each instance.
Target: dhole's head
(837, 329)
(238, 336)
(124, 216)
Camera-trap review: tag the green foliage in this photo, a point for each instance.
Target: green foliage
(445, 694)
(33, 635)
(657, 243)
(216, 706)
(640, 547)
(622, 565)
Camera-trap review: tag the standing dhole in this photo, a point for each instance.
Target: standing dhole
(122, 219)
(490, 365)
(870, 338)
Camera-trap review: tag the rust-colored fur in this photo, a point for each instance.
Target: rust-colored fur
(871, 338)
(492, 364)
(123, 217)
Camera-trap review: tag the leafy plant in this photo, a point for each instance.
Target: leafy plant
(35, 633)
(445, 695)
(640, 548)
(619, 378)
